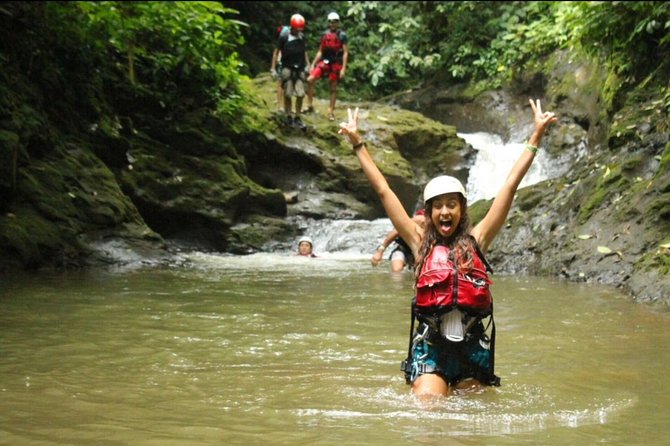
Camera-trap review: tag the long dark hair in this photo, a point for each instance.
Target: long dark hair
(460, 242)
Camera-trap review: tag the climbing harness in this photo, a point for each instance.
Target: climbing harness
(428, 350)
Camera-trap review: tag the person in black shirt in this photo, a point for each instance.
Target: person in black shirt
(294, 63)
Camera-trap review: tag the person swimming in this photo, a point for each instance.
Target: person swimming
(305, 247)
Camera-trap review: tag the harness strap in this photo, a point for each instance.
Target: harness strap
(410, 366)
(495, 381)
(413, 369)
(454, 294)
(411, 329)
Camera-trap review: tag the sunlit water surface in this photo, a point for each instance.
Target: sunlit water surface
(282, 350)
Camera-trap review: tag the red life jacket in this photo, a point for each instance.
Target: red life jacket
(441, 287)
(331, 46)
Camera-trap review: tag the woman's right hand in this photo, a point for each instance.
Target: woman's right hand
(376, 258)
(350, 128)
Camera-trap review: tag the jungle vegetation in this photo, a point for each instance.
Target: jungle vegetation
(176, 53)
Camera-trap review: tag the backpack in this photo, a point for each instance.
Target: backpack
(292, 51)
(283, 29)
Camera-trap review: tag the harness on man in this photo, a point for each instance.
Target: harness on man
(297, 73)
(442, 289)
(292, 50)
(293, 57)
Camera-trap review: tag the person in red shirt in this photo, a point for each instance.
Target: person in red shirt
(330, 60)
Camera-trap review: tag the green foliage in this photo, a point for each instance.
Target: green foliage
(629, 36)
(525, 32)
(390, 38)
(264, 18)
(191, 49)
(398, 45)
(164, 42)
(176, 54)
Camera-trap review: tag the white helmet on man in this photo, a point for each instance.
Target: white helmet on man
(305, 239)
(333, 16)
(441, 185)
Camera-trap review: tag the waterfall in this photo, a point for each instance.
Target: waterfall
(494, 161)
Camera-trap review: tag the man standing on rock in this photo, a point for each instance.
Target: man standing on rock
(331, 60)
(294, 61)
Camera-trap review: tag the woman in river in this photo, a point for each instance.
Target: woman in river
(451, 347)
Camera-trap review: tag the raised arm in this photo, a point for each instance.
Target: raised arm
(390, 237)
(488, 228)
(407, 228)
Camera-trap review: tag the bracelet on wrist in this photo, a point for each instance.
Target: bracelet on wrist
(531, 147)
(381, 248)
(358, 146)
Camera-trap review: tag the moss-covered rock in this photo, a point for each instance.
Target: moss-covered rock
(59, 199)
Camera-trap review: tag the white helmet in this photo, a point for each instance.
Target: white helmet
(305, 239)
(333, 16)
(441, 185)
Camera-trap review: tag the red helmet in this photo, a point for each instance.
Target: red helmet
(297, 22)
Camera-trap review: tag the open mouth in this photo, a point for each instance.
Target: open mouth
(445, 225)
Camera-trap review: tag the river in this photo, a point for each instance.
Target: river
(283, 350)
(277, 349)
